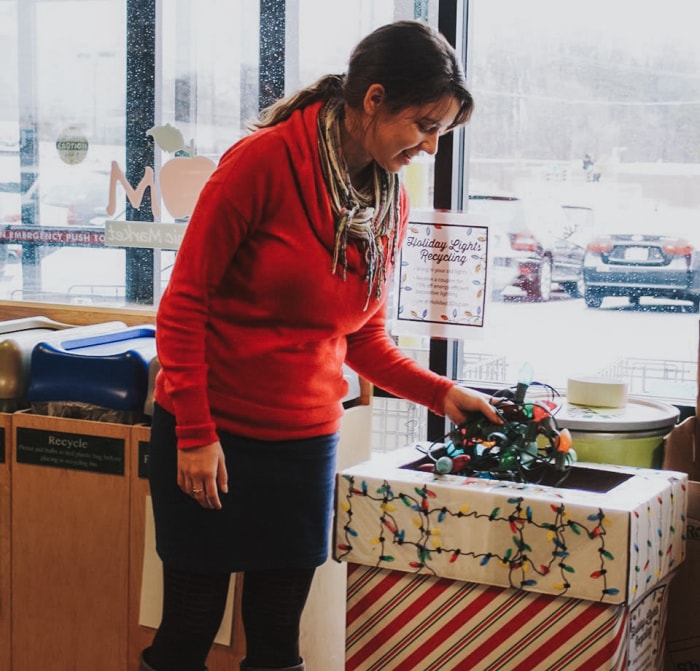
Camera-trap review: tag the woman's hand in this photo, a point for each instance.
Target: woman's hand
(201, 473)
(461, 401)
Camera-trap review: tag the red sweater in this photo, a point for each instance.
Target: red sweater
(253, 328)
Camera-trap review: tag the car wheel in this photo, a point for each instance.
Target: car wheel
(542, 291)
(574, 289)
(593, 298)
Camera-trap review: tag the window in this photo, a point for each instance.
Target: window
(61, 123)
(585, 128)
(64, 132)
(584, 110)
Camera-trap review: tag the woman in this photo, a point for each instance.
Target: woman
(281, 277)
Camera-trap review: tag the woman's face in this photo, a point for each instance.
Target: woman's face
(394, 139)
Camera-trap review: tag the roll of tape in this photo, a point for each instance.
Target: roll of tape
(602, 392)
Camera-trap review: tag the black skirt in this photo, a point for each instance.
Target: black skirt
(277, 512)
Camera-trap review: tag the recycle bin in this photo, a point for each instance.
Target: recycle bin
(96, 377)
(18, 337)
(632, 435)
(460, 572)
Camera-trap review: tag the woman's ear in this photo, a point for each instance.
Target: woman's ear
(374, 98)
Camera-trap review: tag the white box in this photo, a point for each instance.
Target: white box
(611, 539)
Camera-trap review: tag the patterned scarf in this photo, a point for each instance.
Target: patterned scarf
(370, 216)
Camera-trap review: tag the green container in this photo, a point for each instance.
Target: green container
(629, 436)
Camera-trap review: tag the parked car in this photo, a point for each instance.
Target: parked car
(80, 202)
(534, 245)
(659, 262)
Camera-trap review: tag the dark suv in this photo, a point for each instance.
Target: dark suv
(533, 245)
(658, 259)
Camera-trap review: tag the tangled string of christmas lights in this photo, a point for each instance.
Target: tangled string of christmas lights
(527, 444)
(516, 557)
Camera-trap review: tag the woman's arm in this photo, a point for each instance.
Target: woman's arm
(373, 354)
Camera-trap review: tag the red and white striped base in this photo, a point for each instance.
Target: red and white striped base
(399, 621)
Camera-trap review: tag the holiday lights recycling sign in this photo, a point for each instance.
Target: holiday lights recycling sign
(442, 275)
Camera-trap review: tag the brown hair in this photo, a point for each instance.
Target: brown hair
(413, 62)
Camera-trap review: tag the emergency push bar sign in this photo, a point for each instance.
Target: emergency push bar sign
(441, 275)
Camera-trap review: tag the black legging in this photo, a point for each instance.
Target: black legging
(194, 604)
(271, 608)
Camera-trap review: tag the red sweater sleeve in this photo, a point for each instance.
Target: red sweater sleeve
(374, 355)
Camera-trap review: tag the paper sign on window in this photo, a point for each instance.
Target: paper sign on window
(442, 275)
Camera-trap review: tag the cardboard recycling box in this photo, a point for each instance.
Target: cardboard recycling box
(70, 543)
(417, 622)
(5, 542)
(596, 553)
(683, 628)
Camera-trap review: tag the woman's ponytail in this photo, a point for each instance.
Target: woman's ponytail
(326, 88)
